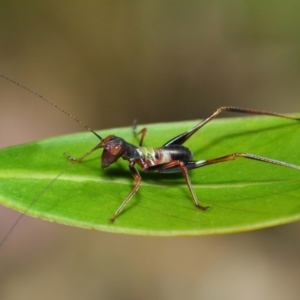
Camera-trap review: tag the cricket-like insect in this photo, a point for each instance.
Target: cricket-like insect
(169, 158)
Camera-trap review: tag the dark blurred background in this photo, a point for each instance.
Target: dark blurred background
(108, 62)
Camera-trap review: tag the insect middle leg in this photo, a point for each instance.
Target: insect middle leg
(187, 179)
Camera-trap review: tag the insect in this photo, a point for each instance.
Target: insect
(171, 157)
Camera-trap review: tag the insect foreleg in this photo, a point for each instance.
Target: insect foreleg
(80, 159)
(136, 175)
(233, 156)
(180, 139)
(142, 132)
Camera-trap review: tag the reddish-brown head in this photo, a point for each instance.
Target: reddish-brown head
(113, 148)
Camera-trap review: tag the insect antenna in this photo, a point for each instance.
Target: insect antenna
(53, 104)
(36, 198)
(73, 160)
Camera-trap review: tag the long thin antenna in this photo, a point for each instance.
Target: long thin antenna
(53, 104)
(56, 177)
(33, 202)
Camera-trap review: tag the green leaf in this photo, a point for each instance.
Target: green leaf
(243, 194)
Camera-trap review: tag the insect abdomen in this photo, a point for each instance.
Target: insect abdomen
(157, 156)
(179, 152)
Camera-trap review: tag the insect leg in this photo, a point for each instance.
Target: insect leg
(136, 175)
(180, 139)
(80, 159)
(233, 156)
(142, 132)
(187, 179)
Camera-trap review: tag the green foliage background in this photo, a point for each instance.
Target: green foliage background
(243, 195)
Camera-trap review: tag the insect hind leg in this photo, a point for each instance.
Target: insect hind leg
(233, 156)
(181, 138)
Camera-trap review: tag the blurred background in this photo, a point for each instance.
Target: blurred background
(108, 62)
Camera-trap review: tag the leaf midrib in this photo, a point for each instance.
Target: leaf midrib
(21, 174)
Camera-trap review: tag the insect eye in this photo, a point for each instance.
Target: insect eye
(115, 149)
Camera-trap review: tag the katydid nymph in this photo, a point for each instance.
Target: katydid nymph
(171, 157)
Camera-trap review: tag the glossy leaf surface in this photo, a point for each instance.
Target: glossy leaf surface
(243, 194)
